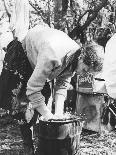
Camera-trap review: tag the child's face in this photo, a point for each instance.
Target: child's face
(82, 67)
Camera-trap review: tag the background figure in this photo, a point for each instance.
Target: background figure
(109, 67)
(88, 101)
(109, 74)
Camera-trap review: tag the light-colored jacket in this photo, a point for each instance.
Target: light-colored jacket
(49, 51)
(109, 67)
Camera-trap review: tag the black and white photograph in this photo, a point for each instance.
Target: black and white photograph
(57, 77)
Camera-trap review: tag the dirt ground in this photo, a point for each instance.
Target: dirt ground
(91, 143)
(10, 137)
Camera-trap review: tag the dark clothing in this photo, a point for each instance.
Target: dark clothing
(15, 74)
(13, 80)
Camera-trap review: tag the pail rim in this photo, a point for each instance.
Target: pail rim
(64, 120)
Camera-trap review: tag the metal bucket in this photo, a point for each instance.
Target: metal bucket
(60, 137)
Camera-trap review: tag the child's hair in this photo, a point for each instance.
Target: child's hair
(91, 57)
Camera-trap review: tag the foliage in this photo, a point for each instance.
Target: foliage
(76, 13)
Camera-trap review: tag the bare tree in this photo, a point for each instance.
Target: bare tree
(78, 31)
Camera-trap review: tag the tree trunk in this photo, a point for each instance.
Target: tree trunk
(20, 19)
(60, 10)
(57, 13)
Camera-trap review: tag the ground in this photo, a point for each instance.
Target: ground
(91, 143)
(98, 144)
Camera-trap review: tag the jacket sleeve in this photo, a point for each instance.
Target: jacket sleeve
(63, 83)
(39, 76)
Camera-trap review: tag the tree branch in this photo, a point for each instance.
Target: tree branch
(7, 9)
(76, 32)
(38, 10)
